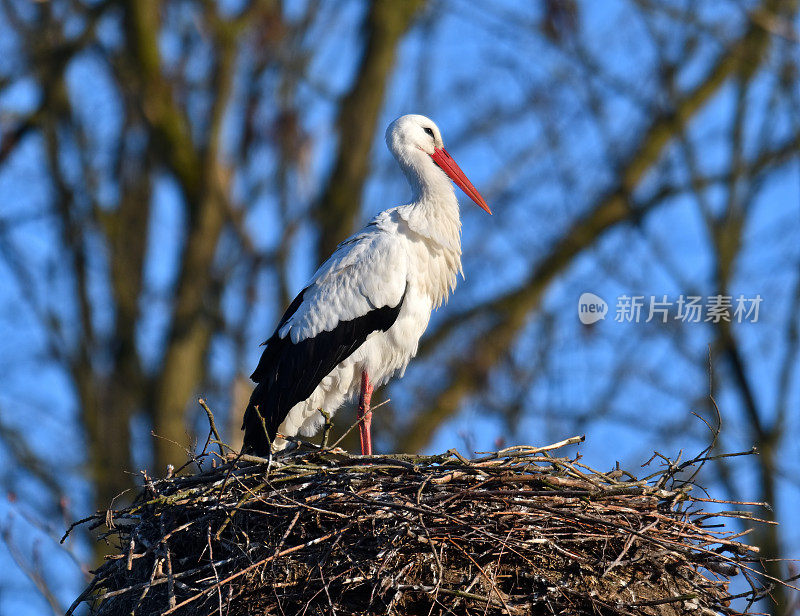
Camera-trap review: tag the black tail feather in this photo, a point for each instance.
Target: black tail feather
(258, 433)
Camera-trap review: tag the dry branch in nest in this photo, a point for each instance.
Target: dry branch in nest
(518, 531)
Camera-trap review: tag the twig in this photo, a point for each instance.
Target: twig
(357, 423)
(260, 563)
(213, 427)
(326, 428)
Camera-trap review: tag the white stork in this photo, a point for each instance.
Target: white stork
(360, 318)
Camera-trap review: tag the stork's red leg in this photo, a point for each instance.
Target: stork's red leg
(365, 415)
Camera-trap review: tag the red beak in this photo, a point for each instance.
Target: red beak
(453, 171)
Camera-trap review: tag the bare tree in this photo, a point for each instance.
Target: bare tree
(188, 163)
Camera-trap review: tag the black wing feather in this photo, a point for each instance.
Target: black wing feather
(290, 372)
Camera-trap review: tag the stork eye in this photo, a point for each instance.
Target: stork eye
(428, 130)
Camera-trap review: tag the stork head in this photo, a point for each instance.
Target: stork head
(416, 143)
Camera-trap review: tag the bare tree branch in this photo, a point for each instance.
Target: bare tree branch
(509, 312)
(338, 207)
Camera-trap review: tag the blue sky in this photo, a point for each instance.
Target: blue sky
(469, 67)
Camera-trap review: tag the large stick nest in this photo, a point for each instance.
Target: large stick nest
(517, 531)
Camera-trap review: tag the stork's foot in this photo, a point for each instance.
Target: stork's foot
(365, 415)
